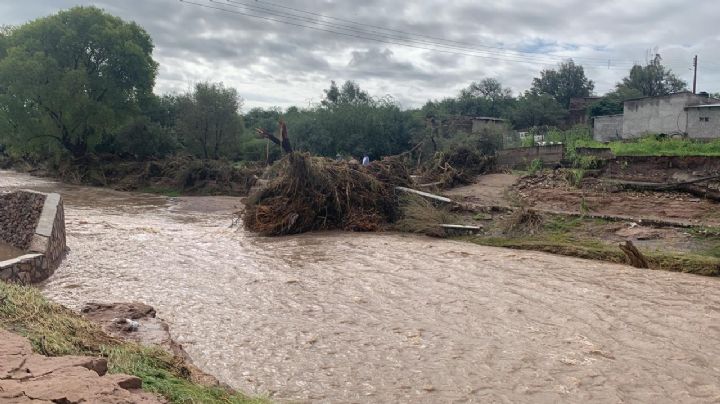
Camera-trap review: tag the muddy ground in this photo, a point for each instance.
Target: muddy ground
(582, 217)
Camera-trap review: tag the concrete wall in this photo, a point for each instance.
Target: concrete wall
(608, 128)
(522, 156)
(664, 114)
(47, 243)
(703, 123)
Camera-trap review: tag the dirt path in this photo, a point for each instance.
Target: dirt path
(359, 317)
(488, 190)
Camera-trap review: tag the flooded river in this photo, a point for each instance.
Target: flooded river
(341, 317)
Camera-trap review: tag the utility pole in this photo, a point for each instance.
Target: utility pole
(695, 74)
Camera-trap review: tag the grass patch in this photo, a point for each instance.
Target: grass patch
(54, 330)
(420, 215)
(562, 244)
(166, 191)
(654, 146)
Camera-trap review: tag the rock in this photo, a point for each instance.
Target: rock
(126, 381)
(28, 377)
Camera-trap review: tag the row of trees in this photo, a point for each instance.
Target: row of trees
(80, 83)
(548, 99)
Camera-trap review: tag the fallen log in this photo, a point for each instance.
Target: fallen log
(425, 194)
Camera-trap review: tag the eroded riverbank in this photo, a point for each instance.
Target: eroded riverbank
(360, 317)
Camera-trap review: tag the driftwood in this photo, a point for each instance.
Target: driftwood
(284, 142)
(634, 256)
(425, 194)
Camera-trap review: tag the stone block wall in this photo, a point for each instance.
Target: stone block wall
(19, 214)
(46, 246)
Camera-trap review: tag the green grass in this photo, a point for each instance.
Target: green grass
(599, 251)
(652, 146)
(166, 191)
(54, 330)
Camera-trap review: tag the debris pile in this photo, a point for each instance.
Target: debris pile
(458, 167)
(314, 193)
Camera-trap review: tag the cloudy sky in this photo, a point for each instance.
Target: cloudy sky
(410, 50)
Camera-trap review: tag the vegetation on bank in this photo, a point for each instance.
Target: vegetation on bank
(649, 145)
(55, 330)
(658, 146)
(581, 237)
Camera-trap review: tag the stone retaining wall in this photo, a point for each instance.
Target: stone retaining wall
(19, 214)
(45, 245)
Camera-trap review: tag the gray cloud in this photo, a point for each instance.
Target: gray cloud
(276, 64)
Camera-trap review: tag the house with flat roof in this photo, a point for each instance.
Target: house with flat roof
(683, 113)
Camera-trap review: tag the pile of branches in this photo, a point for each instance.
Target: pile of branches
(457, 167)
(182, 173)
(314, 193)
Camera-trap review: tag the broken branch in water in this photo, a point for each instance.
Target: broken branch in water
(636, 258)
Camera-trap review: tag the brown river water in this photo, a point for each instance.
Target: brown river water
(377, 318)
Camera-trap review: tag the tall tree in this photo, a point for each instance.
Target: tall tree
(534, 109)
(490, 97)
(73, 77)
(568, 81)
(350, 93)
(209, 123)
(653, 79)
(612, 102)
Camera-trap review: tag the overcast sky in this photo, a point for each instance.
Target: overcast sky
(452, 42)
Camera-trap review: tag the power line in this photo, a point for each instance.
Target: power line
(498, 58)
(473, 48)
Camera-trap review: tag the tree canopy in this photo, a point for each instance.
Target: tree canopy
(534, 109)
(653, 79)
(566, 82)
(73, 77)
(208, 121)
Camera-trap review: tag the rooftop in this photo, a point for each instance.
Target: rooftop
(704, 106)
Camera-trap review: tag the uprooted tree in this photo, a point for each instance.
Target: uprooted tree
(283, 142)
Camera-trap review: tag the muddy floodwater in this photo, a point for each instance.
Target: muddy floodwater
(8, 252)
(360, 317)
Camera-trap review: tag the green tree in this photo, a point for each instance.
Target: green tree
(209, 122)
(534, 109)
(567, 82)
(351, 122)
(653, 79)
(72, 78)
(350, 93)
(612, 102)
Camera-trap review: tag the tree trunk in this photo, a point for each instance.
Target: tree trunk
(634, 256)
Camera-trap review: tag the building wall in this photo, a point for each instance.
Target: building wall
(664, 114)
(608, 128)
(703, 129)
